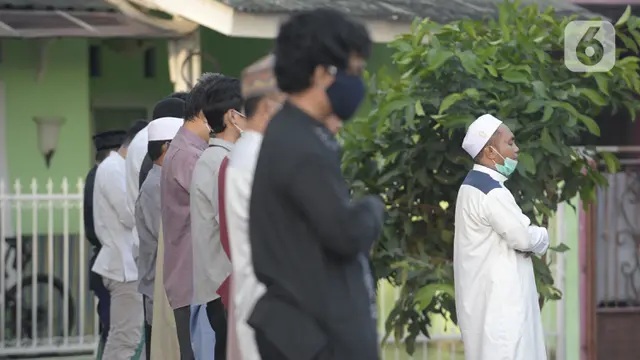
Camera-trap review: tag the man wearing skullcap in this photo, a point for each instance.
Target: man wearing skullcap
(496, 295)
(165, 107)
(262, 101)
(211, 264)
(148, 214)
(104, 143)
(310, 241)
(116, 259)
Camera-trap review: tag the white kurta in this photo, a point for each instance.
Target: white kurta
(113, 222)
(136, 152)
(496, 295)
(245, 287)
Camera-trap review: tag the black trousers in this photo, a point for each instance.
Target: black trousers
(218, 319)
(147, 330)
(183, 328)
(267, 350)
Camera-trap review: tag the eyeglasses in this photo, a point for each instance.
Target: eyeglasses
(239, 114)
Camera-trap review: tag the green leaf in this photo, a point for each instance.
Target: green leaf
(547, 142)
(562, 247)
(449, 101)
(591, 124)
(419, 109)
(492, 70)
(611, 161)
(469, 61)
(625, 16)
(437, 57)
(516, 77)
(526, 161)
(602, 80)
(593, 96)
(533, 106)
(548, 111)
(425, 295)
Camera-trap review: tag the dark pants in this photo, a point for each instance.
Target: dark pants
(104, 299)
(218, 320)
(267, 350)
(183, 328)
(147, 330)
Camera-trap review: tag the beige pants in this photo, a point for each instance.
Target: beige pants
(164, 339)
(127, 317)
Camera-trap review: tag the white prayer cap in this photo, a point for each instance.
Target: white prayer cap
(479, 133)
(164, 128)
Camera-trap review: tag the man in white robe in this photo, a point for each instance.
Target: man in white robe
(262, 100)
(496, 295)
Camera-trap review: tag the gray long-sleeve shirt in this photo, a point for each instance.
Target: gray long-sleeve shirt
(148, 216)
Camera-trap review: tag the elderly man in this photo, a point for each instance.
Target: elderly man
(160, 133)
(496, 295)
(262, 101)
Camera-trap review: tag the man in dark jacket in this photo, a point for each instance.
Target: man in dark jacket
(104, 142)
(310, 241)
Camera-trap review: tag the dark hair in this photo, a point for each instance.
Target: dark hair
(251, 105)
(317, 37)
(154, 149)
(169, 107)
(214, 95)
(182, 95)
(133, 130)
(147, 164)
(102, 154)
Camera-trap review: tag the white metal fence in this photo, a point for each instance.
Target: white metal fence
(45, 306)
(45, 303)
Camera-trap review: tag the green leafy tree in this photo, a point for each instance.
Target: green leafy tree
(408, 148)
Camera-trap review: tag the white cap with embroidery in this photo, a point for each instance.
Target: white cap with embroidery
(479, 133)
(164, 128)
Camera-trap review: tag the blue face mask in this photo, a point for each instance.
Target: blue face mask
(345, 94)
(508, 167)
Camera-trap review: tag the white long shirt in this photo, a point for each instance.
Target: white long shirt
(496, 295)
(113, 222)
(136, 151)
(245, 287)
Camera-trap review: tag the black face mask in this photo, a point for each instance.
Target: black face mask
(346, 94)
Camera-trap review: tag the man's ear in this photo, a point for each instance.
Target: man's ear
(321, 77)
(489, 152)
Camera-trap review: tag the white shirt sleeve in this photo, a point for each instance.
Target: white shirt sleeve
(116, 195)
(513, 226)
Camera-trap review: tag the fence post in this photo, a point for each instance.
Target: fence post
(3, 251)
(34, 262)
(82, 291)
(18, 270)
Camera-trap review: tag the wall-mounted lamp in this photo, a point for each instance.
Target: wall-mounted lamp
(48, 128)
